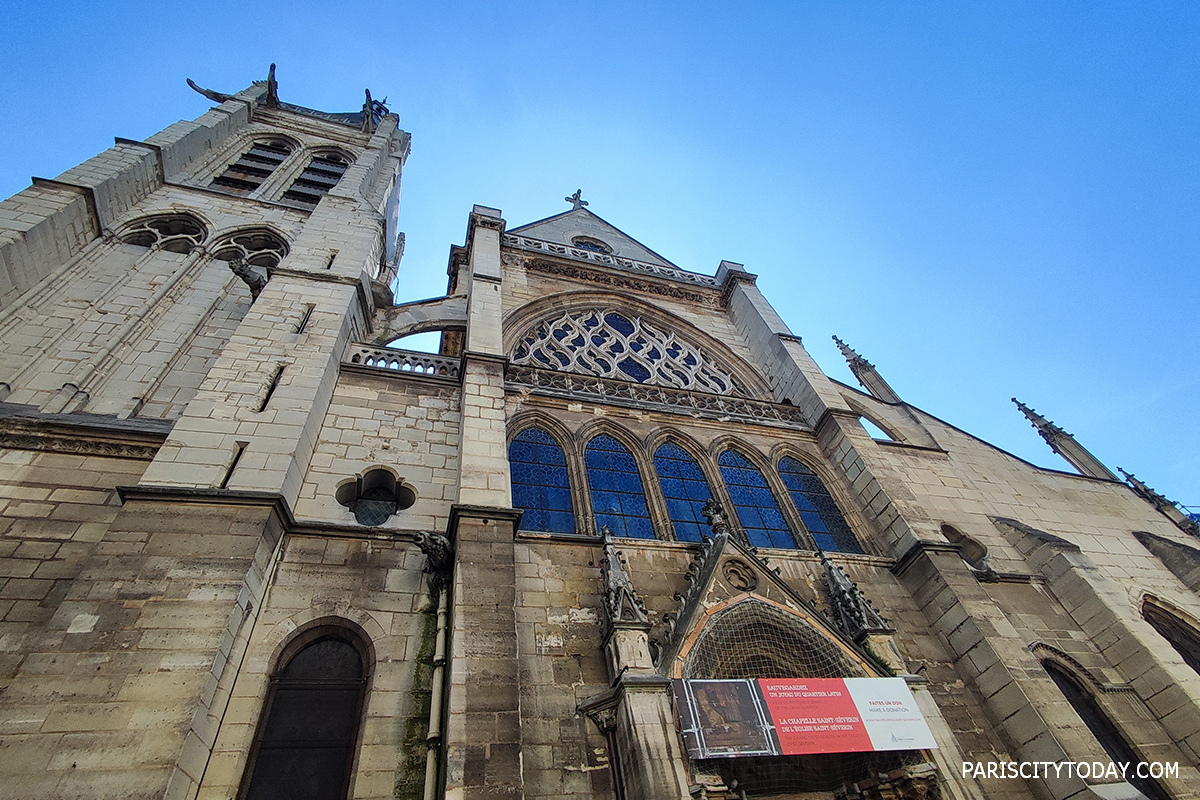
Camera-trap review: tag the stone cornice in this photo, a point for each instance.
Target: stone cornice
(631, 282)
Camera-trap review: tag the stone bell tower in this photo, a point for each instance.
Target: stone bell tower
(173, 315)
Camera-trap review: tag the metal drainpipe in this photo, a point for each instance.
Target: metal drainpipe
(437, 697)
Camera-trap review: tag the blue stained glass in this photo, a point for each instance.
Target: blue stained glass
(755, 504)
(817, 508)
(540, 484)
(620, 323)
(618, 497)
(634, 370)
(685, 490)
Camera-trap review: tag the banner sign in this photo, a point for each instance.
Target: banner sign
(794, 716)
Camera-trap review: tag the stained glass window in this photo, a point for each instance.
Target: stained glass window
(540, 484)
(618, 498)
(818, 511)
(755, 504)
(619, 345)
(685, 490)
(305, 746)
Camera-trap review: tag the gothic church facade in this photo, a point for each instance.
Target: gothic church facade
(248, 549)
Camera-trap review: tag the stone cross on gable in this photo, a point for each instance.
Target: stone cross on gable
(575, 200)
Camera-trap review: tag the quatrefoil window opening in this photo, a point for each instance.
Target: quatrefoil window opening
(616, 345)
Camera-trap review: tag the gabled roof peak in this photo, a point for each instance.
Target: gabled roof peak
(580, 228)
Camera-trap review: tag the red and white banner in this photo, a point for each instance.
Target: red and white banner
(794, 716)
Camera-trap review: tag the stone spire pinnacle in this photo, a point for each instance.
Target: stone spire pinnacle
(867, 375)
(621, 600)
(855, 615)
(1065, 445)
(1167, 508)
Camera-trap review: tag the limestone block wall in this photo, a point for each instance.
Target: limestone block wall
(407, 424)
(375, 586)
(559, 627)
(55, 509)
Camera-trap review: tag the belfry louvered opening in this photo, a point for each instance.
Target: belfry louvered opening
(247, 173)
(321, 175)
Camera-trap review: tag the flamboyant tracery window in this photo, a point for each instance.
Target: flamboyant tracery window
(258, 247)
(177, 233)
(540, 484)
(819, 513)
(618, 499)
(755, 504)
(685, 490)
(619, 345)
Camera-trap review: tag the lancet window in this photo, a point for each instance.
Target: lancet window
(618, 499)
(818, 511)
(1102, 728)
(619, 345)
(306, 741)
(755, 504)
(540, 484)
(252, 168)
(684, 489)
(1182, 636)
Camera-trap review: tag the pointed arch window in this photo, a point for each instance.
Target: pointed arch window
(754, 502)
(1179, 634)
(618, 499)
(818, 511)
(321, 175)
(252, 167)
(305, 744)
(1103, 729)
(684, 488)
(540, 483)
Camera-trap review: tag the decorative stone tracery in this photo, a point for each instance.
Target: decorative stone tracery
(178, 233)
(612, 344)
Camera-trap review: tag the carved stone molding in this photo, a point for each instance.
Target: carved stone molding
(580, 254)
(710, 300)
(656, 398)
(67, 443)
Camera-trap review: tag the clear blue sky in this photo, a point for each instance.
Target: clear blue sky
(986, 200)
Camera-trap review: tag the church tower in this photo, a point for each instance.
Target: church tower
(253, 547)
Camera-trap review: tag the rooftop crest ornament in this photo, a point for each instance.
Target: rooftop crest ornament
(576, 200)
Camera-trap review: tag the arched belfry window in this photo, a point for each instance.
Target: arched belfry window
(618, 499)
(540, 484)
(819, 513)
(305, 745)
(1182, 636)
(756, 508)
(321, 175)
(617, 344)
(252, 167)
(685, 490)
(1103, 729)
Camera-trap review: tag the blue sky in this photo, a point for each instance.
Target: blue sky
(986, 200)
